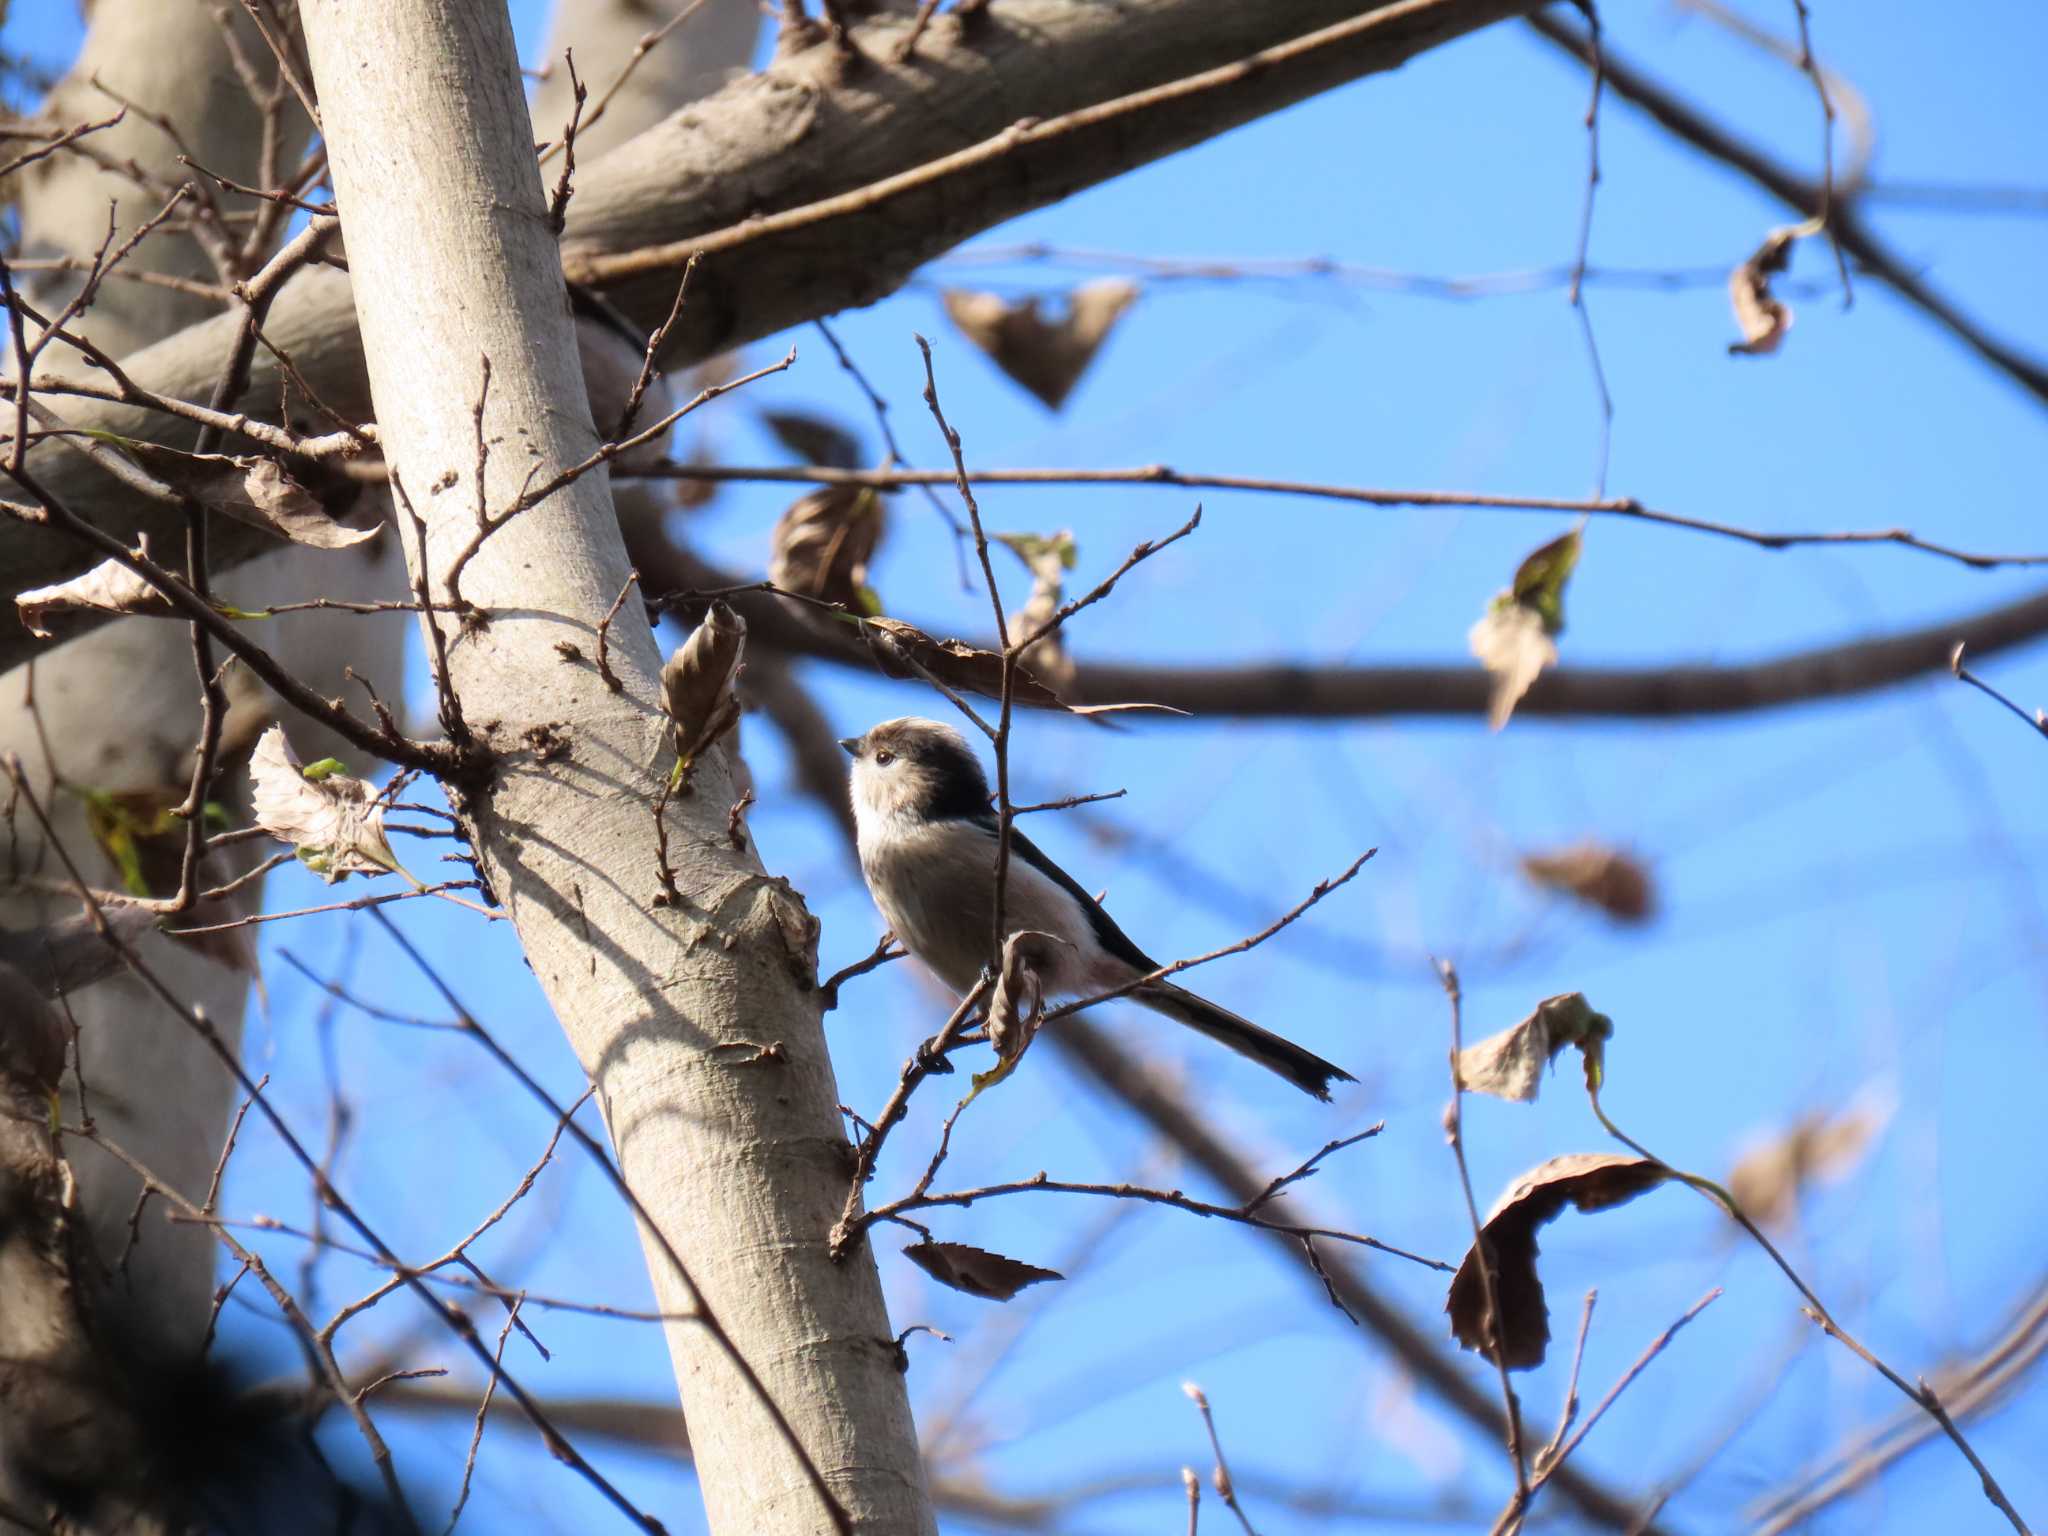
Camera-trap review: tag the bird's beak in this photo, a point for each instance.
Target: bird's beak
(852, 745)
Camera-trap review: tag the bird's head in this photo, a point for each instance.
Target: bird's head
(915, 770)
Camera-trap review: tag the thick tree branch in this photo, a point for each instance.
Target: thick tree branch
(1308, 691)
(726, 174)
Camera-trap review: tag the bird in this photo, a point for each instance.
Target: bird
(927, 841)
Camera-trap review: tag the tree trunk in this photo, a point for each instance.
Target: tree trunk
(698, 1021)
(120, 707)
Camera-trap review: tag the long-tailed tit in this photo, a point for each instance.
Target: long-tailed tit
(928, 850)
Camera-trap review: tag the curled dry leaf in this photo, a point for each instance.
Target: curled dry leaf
(1048, 559)
(821, 546)
(1047, 357)
(1017, 1005)
(333, 822)
(697, 684)
(109, 586)
(1510, 1065)
(1592, 1181)
(1600, 876)
(1763, 317)
(977, 1271)
(1820, 1148)
(904, 650)
(258, 491)
(1514, 637)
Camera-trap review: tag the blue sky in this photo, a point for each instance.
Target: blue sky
(1851, 897)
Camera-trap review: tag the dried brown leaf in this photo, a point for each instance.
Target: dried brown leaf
(1510, 1065)
(1017, 1005)
(1602, 877)
(977, 1271)
(1819, 1148)
(109, 587)
(821, 546)
(1592, 1181)
(1046, 356)
(904, 650)
(1763, 317)
(256, 490)
(697, 684)
(333, 822)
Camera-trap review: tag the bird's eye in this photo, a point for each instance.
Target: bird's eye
(884, 758)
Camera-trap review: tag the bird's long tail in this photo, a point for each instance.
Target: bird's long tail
(1303, 1068)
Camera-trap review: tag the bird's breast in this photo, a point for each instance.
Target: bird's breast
(935, 886)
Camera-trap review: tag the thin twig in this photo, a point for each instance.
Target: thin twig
(923, 1199)
(1323, 888)
(886, 949)
(1623, 507)
(1577, 293)
(1226, 1489)
(1922, 1394)
(1548, 1457)
(2038, 719)
(915, 1070)
(558, 204)
(1511, 1519)
(1826, 215)
(604, 626)
(1004, 815)
(1489, 1265)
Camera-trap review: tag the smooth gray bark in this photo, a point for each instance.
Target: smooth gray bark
(737, 1156)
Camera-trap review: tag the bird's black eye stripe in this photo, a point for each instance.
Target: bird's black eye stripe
(884, 758)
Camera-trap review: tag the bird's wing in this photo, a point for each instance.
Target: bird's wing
(1112, 938)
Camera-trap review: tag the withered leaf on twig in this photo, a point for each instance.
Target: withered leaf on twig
(109, 586)
(254, 490)
(977, 1271)
(1762, 315)
(697, 683)
(1592, 1181)
(1047, 357)
(821, 546)
(1514, 637)
(904, 650)
(1017, 1004)
(1510, 1065)
(1600, 876)
(334, 823)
